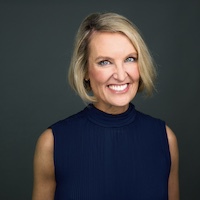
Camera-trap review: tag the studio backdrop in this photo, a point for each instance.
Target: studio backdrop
(36, 42)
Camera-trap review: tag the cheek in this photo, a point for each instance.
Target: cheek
(97, 77)
(134, 73)
(137, 74)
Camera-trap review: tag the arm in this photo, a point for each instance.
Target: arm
(173, 183)
(44, 176)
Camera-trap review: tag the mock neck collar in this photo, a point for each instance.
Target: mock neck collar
(110, 120)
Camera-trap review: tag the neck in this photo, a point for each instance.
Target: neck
(110, 109)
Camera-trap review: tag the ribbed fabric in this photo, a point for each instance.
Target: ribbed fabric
(100, 156)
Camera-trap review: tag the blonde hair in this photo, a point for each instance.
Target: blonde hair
(108, 22)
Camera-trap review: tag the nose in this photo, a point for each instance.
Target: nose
(120, 73)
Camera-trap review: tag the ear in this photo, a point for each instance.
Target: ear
(87, 78)
(87, 83)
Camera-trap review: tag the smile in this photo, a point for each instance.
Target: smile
(118, 88)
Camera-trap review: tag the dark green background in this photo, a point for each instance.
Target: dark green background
(36, 41)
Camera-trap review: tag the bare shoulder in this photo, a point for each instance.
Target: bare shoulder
(44, 175)
(173, 183)
(171, 137)
(45, 141)
(173, 145)
(43, 159)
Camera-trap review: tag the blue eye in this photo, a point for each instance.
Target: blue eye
(104, 62)
(131, 59)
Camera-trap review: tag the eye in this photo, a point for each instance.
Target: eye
(131, 59)
(104, 62)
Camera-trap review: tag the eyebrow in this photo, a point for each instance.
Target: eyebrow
(109, 58)
(103, 58)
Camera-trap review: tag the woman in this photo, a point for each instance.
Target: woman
(109, 150)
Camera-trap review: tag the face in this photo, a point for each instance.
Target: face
(112, 71)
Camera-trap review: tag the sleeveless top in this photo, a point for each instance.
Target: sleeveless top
(100, 156)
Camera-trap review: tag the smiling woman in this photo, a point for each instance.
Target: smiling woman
(108, 23)
(112, 70)
(109, 150)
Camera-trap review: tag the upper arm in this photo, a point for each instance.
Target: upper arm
(173, 183)
(44, 175)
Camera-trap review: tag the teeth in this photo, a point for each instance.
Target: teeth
(118, 87)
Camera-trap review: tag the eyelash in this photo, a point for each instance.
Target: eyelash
(107, 62)
(131, 59)
(104, 62)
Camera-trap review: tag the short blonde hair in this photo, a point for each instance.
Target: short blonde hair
(108, 22)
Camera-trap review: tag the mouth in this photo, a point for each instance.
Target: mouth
(118, 88)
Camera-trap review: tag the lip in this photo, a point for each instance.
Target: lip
(119, 88)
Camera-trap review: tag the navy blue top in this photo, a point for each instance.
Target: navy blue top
(100, 156)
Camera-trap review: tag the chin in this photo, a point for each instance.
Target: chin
(121, 103)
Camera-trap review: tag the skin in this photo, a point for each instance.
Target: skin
(114, 78)
(173, 183)
(44, 176)
(112, 64)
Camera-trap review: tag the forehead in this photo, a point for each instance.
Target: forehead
(108, 43)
